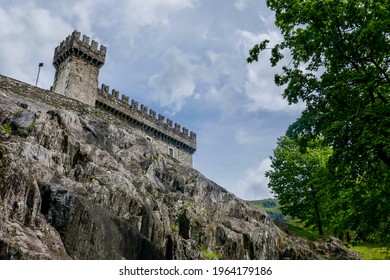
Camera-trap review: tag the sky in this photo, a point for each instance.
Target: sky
(185, 59)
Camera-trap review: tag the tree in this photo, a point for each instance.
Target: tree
(359, 203)
(340, 59)
(299, 181)
(340, 52)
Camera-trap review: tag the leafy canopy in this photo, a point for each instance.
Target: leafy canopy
(340, 56)
(298, 179)
(336, 57)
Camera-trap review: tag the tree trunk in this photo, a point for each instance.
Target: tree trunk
(317, 212)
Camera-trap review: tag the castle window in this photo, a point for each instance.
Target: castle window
(170, 152)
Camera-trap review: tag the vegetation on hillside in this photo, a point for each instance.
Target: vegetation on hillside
(272, 207)
(293, 225)
(367, 251)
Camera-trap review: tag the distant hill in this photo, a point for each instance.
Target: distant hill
(272, 207)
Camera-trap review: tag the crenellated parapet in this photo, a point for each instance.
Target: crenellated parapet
(148, 120)
(82, 48)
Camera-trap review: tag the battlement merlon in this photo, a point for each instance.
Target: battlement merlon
(80, 47)
(111, 102)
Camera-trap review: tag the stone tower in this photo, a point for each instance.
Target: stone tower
(77, 64)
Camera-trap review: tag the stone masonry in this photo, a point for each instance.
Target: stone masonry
(168, 137)
(77, 66)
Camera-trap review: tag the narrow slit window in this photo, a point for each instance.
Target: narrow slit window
(170, 152)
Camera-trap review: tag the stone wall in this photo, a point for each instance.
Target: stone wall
(169, 137)
(162, 133)
(77, 64)
(77, 79)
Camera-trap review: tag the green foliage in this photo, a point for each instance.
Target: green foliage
(360, 202)
(7, 128)
(272, 207)
(340, 54)
(32, 126)
(339, 66)
(175, 227)
(333, 200)
(297, 179)
(254, 52)
(166, 200)
(268, 203)
(209, 255)
(372, 252)
(302, 232)
(16, 114)
(154, 158)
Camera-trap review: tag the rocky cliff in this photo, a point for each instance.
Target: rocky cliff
(77, 183)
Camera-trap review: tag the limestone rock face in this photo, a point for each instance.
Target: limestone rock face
(73, 186)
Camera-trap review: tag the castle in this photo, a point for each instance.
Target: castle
(77, 63)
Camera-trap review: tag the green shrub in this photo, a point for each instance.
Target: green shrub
(175, 227)
(7, 128)
(209, 255)
(302, 232)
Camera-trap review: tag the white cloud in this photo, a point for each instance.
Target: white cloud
(255, 184)
(221, 77)
(263, 94)
(152, 12)
(226, 76)
(28, 39)
(13, 27)
(82, 12)
(245, 137)
(226, 68)
(260, 89)
(217, 77)
(177, 80)
(136, 14)
(247, 39)
(241, 4)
